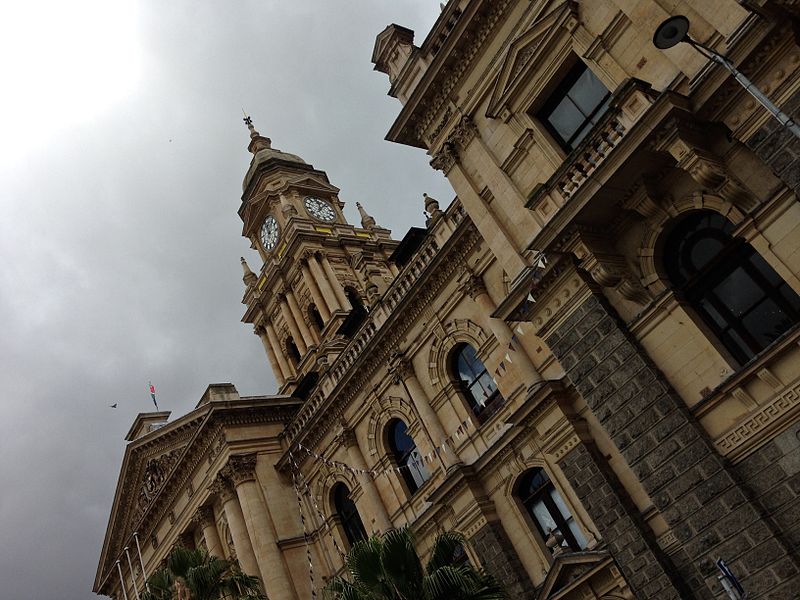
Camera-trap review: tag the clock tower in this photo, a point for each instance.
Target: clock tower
(319, 273)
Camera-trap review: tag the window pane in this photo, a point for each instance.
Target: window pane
(588, 92)
(703, 251)
(738, 292)
(766, 323)
(543, 517)
(577, 533)
(712, 312)
(566, 119)
(790, 296)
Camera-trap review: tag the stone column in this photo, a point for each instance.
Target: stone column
(274, 572)
(376, 507)
(319, 301)
(223, 489)
(289, 318)
(298, 317)
(403, 372)
(324, 285)
(204, 518)
(520, 361)
(261, 332)
(338, 290)
(272, 337)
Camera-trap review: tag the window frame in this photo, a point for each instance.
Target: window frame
(401, 459)
(544, 494)
(492, 403)
(699, 288)
(352, 523)
(561, 91)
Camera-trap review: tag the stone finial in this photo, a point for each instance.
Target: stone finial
(258, 142)
(367, 222)
(249, 277)
(432, 210)
(555, 541)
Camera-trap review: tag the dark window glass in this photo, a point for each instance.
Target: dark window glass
(316, 318)
(547, 509)
(575, 106)
(733, 289)
(348, 514)
(407, 455)
(474, 381)
(294, 353)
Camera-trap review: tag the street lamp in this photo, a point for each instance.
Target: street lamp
(675, 30)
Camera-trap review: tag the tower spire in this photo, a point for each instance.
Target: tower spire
(367, 222)
(257, 141)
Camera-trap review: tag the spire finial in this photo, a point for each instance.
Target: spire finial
(367, 222)
(257, 141)
(249, 277)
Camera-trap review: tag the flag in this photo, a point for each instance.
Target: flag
(153, 394)
(519, 330)
(531, 298)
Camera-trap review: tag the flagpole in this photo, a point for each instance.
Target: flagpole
(133, 575)
(141, 562)
(122, 581)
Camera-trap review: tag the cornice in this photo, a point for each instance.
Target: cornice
(478, 20)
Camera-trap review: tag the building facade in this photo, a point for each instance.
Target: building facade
(588, 363)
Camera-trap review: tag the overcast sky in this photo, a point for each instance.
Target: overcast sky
(122, 152)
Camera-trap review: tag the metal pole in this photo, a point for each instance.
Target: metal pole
(133, 575)
(750, 87)
(141, 562)
(122, 582)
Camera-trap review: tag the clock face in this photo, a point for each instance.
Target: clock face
(270, 232)
(319, 209)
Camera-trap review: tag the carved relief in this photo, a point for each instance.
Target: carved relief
(155, 473)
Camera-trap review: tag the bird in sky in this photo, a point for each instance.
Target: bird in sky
(113, 405)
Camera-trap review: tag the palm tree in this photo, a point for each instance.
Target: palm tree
(388, 568)
(196, 575)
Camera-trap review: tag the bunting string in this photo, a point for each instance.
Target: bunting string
(305, 528)
(416, 462)
(323, 523)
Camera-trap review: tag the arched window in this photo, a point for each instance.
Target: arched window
(316, 318)
(731, 287)
(348, 514)
(547, 509)
(406, 455)
(473, 379)
(294, 353)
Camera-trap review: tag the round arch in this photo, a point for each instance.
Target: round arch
(459, 331)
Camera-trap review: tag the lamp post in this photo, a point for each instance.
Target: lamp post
(675, 30)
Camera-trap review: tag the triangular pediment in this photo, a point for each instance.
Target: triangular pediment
(147, 466)
(569, 570)
(530, 48)
(311, 185)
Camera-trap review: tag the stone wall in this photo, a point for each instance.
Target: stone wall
(778, 148)
(629, 539)
(709, 511)
(773, 474)
(497, 556)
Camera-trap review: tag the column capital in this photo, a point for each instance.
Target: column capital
(445, 158)
(242, 467)
(347, 437)
(222, 487)
(204, 517)
(400, 367)
(473, 285)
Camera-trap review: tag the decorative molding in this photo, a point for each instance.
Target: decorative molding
(741, 438)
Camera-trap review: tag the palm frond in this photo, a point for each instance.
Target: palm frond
(444, 549)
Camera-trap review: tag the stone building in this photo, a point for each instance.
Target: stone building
(588, 363)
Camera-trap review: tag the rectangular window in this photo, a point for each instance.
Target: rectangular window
(575, 106)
